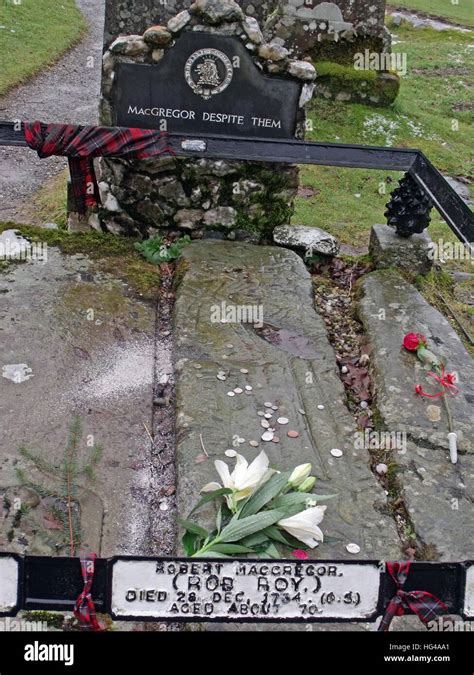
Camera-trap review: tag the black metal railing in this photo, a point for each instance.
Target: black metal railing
(408, 211)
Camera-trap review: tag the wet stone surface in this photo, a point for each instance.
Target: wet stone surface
(90, 346)
(438, 495)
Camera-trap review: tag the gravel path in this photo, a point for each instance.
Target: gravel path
(66, 92)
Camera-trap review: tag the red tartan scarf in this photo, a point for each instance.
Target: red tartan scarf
(84, 610)
(81, 144)
(425, 605)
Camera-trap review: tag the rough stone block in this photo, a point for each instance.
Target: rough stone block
(389, 250)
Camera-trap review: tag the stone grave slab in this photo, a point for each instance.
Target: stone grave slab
(100, 370)
(290, 363)
(294, 368)
(438, 495)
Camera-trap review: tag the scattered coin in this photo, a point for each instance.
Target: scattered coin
(344, 369)
(244, 371)
(249, 393)
(265, 424)
(293, 434)
(229, 346)
(268, 405)
(283, 420)
(230, 393)
(197, 366)
(268, 416)
(301, 411)
(267, 436)
(248, 387)
(164, 506)
(275, 439)
(260, 413)
(274, 407)
(320, 407)
(353, 548)
(335, 452)
(254, 444)
(241, 440)
(364, 404)
(221, 377)
(269, 411)
(230, 453)
(381, 468)
(238, 390)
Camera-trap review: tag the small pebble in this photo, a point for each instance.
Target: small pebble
(244, 371)
(353, 548)
(267, 436)
(364, 404)
(301, 411)
(197, 366)
(254, 444)
(238, 390)
(230, 393)
(335, 452)
(283, 420)
(381, 468)
(293, 434)
(229, 346)
(164, 506)
(344, 369)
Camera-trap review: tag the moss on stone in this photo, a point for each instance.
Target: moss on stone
(361, 85)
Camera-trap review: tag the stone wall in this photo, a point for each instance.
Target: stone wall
(204, 198)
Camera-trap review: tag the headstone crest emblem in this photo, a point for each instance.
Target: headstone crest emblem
(208, 72)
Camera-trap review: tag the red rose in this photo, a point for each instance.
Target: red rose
(412, 341)
(300, 554)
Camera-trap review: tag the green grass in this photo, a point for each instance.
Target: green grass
(434, 97)
(462, 13)
(33, 34)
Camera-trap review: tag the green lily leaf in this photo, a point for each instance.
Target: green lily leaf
(272, 551)
(189, 541)
(281, 537)
(212, 554)
(255, 539)
(209, 497)
(238, 528)
(192, 527)
(265, 493)
(231, 548)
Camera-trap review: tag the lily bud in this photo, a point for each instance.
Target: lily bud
(307, 484)
(299, 475)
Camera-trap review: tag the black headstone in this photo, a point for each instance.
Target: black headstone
(206, 84)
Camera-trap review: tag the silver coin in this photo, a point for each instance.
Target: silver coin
(229, 346)
(274, 407)
(268, 416)
(335, 452)
(244, 371)
(265, 424)
(260, 413)
(248, 387)
(238, 390)
(268, 405)
(254, 444)
(283, 420)
(241, 440)
(320, 407)
(230, 393)
(301, 411)
(267, 436)
(353, 548)
(222, 378)
(197, 366)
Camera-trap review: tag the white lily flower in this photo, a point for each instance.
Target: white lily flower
(299, 474)
(243, 480)
(304, 525)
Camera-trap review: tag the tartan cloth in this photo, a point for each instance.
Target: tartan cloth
(84, 609)
(81, 144)
(425, 605)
